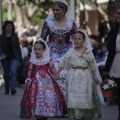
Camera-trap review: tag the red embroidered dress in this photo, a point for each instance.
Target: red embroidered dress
(44, 98)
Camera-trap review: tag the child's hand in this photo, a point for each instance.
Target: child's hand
(96, 80)
(57, 76)
(28, 85)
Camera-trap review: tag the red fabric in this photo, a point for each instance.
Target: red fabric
(25, 105)
(62, 103)
(28, 102)
(63, 106)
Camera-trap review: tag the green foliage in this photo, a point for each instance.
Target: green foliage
(4, 14)
(36, 19)
(39, 16)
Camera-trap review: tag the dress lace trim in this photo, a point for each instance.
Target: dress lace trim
(55, 29)
(38, 62)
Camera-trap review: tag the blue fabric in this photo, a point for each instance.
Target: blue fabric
(10, 72)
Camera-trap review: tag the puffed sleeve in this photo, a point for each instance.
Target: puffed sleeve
(29, 72)
(44, 31)
(91, 61)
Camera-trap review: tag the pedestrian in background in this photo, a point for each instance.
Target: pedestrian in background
(10, 55)
(112, 66)
(82, 78)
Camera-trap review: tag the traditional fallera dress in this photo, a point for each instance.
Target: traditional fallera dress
(59, 41)
(44, 98)
(82, 99)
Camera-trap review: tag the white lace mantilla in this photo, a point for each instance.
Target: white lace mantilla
(55, 29)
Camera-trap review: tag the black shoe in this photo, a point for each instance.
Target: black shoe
(6, 92)
(13, 91)
(39, 119)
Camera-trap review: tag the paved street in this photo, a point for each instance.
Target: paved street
(9, 107)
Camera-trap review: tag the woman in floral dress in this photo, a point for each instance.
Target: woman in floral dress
(59, 29)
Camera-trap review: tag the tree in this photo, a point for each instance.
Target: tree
(22, 11)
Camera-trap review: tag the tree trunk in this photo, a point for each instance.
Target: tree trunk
(25, 18)
(19, 18)
(9, 8)
(78, 11)
(105, 16)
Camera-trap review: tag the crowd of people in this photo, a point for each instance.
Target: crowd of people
(59, 66)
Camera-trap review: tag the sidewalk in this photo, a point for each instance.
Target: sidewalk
(10, 107)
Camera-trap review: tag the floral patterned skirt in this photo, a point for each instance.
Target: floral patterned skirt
(46, 100)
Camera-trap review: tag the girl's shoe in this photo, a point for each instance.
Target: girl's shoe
(6, 92)
(13, 91)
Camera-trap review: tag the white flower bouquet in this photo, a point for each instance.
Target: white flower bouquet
(108, 84)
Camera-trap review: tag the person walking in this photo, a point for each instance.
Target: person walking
(10, 56)
(112, 65)
(58, 30)
(82, 78)
(42, 97)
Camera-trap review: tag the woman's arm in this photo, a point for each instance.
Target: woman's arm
(95, 77)
(73, 30)
(44, 31)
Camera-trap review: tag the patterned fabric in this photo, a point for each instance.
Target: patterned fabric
(59, 40)
(44, 99)
(25, 105)
(81, 92)
(87, 114)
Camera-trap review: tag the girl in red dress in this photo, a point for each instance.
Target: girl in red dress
(42, 97)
